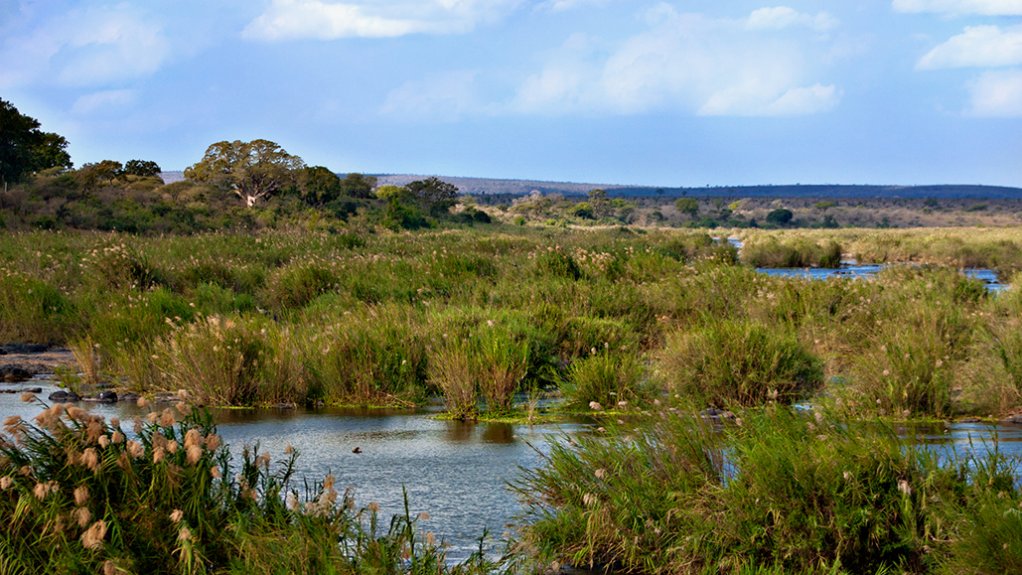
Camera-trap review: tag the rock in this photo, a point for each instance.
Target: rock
(10, 373)
(1015, 419)
(103, 397)
(19, 348)
(129, 396)
(64, 396)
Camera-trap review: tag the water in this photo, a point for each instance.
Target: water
(454, 471)
(988, 277)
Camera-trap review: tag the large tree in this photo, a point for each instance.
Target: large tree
(434, 195)
(252, 170)
(24, 148)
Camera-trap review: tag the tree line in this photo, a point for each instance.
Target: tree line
(235, 184)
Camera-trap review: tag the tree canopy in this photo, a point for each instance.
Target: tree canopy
(251, 170)
(434, 195)
(24, 148)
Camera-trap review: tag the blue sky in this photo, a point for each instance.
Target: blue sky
(607, 91)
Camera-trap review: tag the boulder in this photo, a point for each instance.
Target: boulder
(64, 396)
(11, 373)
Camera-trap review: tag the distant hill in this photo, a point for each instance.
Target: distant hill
(496, 186)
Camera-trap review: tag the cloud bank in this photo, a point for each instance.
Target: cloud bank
(689, 63)
(960, 7)
(322, 20)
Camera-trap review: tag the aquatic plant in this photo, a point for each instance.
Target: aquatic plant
(81, 494)
(774, 491)
(739, 363)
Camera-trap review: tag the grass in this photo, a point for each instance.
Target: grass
(645, 317)
(778, 492)
(81, 494)
(359, 317)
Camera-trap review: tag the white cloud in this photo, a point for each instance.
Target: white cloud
(997, 94)
(684, 62)
(565, 5)
(323, 20)
(781, 17)
(103, 101)
(89, 47)
(445, 97)
(957, 7)
(977, 47)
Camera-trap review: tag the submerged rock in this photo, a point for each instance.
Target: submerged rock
(19, 348)
(22, 390)
(64, 396)
(104, 397)
(11, 373)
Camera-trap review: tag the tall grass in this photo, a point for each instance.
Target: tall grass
(779, 492)
(739, 363)
(352, 319)
(83, 495)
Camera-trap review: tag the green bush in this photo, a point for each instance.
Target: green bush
(777, 492)
(609, 379)
(557, 264)
(33, 311)
(732, 363)
(293, 286)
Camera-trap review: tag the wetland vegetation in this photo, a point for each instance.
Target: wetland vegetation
(657, 322)
(743, 421)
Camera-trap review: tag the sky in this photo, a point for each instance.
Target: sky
(682, 93)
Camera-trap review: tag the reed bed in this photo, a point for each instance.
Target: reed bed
(80, 494)
(292, 317)
(773, 492)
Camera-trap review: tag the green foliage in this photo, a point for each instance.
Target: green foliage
(435, 196)
(293, 286)
(798, 253)
(606, 378)
(777, 492)
(252, 170)
(142, 168)
(358, 186)
(739, 363)
(687, 206)
(557, 264)
(34, 311)
(25, 149)
(779, 217)
(83, 495)
(318, 185)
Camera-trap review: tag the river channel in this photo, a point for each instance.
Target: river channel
(456, 472)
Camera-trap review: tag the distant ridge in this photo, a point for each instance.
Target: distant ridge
(512, 187)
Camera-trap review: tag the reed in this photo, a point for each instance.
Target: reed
(738, 363)
(775, 492)
(82, 494)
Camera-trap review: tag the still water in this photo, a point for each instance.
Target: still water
(988, 277)
(456, 472)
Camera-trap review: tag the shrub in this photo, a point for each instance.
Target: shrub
(557, 264)
(777, 493)
(293, 286)
(606, 378)
(232, 361)
(33, 311)
(729, 363)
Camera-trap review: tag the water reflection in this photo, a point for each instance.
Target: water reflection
(988, 277)
(454, 470)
